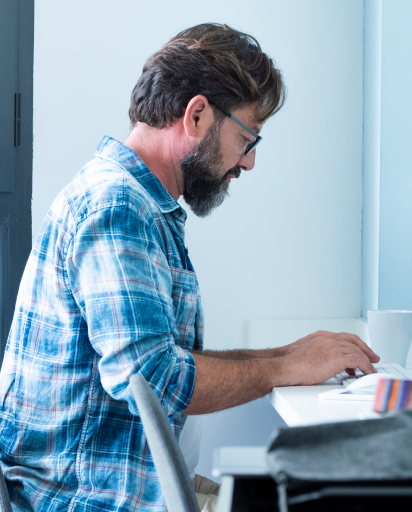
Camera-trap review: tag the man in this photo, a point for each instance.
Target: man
(109, 289)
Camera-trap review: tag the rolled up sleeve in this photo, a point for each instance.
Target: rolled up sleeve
(120, 278)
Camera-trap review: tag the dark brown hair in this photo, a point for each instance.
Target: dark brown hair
(228, 67)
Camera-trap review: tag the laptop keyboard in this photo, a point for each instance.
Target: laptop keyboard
(394, 369)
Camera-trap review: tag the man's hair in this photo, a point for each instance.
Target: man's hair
(226, 66)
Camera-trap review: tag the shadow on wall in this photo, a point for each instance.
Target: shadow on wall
(255, 421)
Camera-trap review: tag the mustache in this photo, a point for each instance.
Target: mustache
(234, 171)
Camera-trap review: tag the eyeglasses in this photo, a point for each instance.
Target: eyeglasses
(258, 138)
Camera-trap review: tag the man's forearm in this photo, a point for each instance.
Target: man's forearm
(224, 383)
(238, 355)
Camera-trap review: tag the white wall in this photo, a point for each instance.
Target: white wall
(287, 242)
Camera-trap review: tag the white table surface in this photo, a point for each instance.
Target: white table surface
(300, 405)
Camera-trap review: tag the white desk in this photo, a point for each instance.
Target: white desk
(300, 405)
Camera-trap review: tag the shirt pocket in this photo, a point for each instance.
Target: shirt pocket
(185, 303)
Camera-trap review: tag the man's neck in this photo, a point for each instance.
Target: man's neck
(157, 148)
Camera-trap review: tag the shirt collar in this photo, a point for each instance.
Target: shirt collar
(111, 149)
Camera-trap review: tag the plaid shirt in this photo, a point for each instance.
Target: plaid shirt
(108, 291)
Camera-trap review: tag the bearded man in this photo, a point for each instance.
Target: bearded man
(109, 289)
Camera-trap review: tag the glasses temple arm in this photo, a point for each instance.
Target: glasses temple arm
(237, 121)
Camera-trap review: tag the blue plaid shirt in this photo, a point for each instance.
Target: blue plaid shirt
(108, 291)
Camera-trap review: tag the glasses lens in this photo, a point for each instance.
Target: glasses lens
(252, 146)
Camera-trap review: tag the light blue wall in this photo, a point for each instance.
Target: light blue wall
(372, 32)
(395, 268)
(387, 156)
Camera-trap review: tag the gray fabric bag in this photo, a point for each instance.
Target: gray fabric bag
(355, 455)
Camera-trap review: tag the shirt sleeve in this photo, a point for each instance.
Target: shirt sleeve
(121, 280)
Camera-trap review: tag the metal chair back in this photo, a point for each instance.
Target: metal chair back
(170, 465)
(5, 505)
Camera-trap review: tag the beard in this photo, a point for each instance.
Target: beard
(204, 180)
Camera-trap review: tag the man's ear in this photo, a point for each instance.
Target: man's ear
(198, 117)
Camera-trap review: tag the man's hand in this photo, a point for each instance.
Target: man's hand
(341, 337)
(323, 356)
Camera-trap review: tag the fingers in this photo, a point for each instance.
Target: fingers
(352, 371)
(351, 338)
(356, 358)
(366, 367)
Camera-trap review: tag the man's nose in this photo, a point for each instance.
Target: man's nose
(247, 162)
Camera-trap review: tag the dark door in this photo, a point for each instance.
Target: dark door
(16, 139)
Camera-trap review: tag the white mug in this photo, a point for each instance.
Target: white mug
(390, 333)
